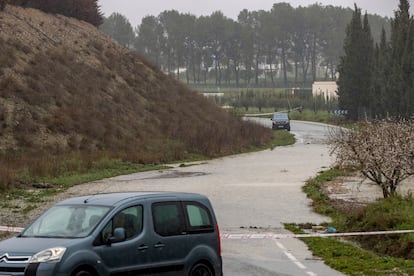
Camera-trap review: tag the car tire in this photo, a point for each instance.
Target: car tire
(82, 273)
(201, 269)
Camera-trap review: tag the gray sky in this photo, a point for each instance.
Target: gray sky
(135, 10)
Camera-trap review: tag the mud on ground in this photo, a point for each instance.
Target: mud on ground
(357, 191)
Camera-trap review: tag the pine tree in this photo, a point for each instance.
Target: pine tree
(119, 28)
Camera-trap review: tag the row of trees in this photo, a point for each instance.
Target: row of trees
(86, 10)
(376, 79)
(282, 100)
(282, 45)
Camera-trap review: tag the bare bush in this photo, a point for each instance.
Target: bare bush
(382, 150)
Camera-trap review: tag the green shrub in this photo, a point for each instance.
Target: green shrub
(394, 213)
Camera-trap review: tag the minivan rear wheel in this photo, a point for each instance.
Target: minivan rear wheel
(201, 270)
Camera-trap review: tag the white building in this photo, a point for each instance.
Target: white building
(327, 89)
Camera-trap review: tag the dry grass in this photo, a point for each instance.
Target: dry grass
(66, 88)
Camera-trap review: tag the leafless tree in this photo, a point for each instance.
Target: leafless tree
(383, 151)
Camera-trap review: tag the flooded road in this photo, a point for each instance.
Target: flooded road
(251, 193)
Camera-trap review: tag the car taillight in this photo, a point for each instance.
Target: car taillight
(218, 238)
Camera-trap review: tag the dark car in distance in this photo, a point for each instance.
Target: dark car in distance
(140, 233)
(280, 121)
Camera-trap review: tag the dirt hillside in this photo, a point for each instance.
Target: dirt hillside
(66, 86)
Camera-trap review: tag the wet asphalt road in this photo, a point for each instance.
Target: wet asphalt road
(251, 193)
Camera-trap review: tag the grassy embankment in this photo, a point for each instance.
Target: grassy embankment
(371, 255)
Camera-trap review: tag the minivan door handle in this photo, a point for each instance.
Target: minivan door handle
(159, 245)
(142, 247)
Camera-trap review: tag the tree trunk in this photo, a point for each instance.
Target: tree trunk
(187, 73)
(228, 72)
(219, 72)
(257, 71)
(313, 58)
(284, 65)
(194, 74)
(236, 73)
(305, 68)
(385, 191)
(216, 71)
(296, 70)
(271, 71)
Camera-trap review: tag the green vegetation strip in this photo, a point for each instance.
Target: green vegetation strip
(352, 260)
(282, 138)
(339, 253)
(51, 186)
(117, 168)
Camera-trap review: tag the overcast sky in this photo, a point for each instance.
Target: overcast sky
(135, 10)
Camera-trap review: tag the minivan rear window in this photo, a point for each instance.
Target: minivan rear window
(168, 218)
(176, 218)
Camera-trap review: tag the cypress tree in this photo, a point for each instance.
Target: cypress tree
(379, 101)
(400, 83)
(356, 67)
(367, 70)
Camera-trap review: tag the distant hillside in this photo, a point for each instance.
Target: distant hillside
(66, 86)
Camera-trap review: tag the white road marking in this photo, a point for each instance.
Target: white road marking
(281, 246)
(10, 229)
(293, 258)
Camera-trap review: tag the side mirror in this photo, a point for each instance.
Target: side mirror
(118, 236)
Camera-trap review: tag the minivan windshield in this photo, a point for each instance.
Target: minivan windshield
(66, 221)
(280, 116)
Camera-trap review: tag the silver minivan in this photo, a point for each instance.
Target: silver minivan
(142, 233)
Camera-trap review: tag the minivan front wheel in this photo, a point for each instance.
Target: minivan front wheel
(82, 273)
(201, 270)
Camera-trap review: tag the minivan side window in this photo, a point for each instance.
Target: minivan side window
(199, 217)
(168, 218)
(130, 219)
